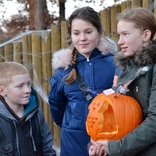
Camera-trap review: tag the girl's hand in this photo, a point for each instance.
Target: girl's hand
(96, 149)
(92, 150)
(104, 145)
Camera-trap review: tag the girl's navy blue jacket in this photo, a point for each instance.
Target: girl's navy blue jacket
(68, 105)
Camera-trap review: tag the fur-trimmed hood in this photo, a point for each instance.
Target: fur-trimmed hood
(62, 58)
(143, 57)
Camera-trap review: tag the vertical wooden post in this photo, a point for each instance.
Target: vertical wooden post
(27, 54)
(155, 9)
(105, 17)
(55, 45)
(36, 61)
(136, 3)
(55, 39)
(17, 57)
(46, 70)
(64, 34)
(8, 52)
(114, 11)
(125, 5)
(1, 54)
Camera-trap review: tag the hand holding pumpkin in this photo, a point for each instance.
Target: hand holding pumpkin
(104, 145)
(99, 148)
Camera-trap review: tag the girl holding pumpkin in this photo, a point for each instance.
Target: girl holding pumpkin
(91, 56)
(136, 29)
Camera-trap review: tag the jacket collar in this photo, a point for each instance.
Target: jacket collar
(62, 58)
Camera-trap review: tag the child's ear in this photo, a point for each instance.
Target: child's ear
(147, 35)
(2, 92)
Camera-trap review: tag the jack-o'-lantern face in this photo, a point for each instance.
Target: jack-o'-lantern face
(111, 117)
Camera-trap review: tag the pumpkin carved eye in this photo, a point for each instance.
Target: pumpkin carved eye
(111, 117)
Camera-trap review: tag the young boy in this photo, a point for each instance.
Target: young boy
(23, 129)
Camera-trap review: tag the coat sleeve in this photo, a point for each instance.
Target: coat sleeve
(47, 138)
(143, 138)
(57, 99)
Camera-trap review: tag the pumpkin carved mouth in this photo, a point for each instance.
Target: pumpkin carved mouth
(108, 117)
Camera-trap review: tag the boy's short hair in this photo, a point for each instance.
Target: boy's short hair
(9, 69)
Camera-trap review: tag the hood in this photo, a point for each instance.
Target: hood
(62, 58)
(3, 110)
(144, 57)
(33, 102)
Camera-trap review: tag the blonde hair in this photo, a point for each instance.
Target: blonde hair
(9, 69)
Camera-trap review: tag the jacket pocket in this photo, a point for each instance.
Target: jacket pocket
(7, 149)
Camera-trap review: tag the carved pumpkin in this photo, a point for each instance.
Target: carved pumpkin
(111, 117)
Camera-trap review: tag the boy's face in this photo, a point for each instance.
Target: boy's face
(18, 91)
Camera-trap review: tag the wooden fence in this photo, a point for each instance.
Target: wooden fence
(34, 49)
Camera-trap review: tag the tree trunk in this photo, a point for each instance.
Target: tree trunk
(36, 14)
(62, 10)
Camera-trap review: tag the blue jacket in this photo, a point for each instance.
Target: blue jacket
(68, 105)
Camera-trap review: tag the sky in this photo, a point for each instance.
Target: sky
(10, 7)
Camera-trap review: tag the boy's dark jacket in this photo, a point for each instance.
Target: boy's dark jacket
(27, 136)
(142, 140)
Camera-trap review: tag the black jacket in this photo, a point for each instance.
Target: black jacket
(26, 136)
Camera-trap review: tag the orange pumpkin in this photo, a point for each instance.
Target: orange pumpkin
(111, 117)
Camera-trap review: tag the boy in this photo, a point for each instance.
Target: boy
(23, 129)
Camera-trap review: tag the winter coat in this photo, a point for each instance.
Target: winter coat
(68, 106)
(142, 140)
(26, 136)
